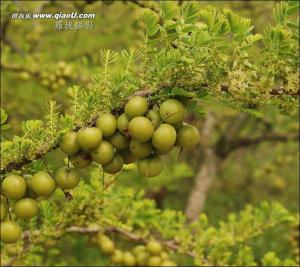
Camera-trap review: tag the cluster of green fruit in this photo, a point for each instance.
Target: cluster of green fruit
(151, 254)
(58, 78)
(139, 134)
(25, 192)
(130, 137)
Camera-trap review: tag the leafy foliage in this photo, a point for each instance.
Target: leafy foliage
(190, 53)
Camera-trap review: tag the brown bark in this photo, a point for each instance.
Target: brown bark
(206, 173)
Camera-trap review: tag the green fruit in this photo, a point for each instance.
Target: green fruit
(136, 106)
(101, 238)
(81, 160)
(154, 117)
(122, 123)
(129, 259)
(187, 136)
(168, 263)
(154, 248)
(89, 138)
(117, 257)
(13, 186)
(150, 167)
(26, 208)
(107, 123)
(127, 156)
(142, 259)
(164, 137)
(138, 249)
(43, 184)
(103, 153)
(3, 211)
(114, 166)
(140, 150)
(69, 144)
(164, 255)
(119, 141)
(140, 129)
(172, 111)
(24, 75)
(67, 177)
(29, 191)
(107, 246)
(154, 261)
(10, 232)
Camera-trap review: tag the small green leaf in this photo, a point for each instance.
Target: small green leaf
(150, 21)
(292, 10)
(5, 127)
(195, 108)
(169, 9)
(190, 12)
(293, 25)
(3, 116)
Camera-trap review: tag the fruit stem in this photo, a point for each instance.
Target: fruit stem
(179, 153)
(68, 195)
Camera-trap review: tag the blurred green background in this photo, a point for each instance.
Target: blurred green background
(39, 63)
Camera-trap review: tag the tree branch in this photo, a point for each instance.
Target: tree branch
(172, 244)
(271, 137)
(17, 165)
(206, 173)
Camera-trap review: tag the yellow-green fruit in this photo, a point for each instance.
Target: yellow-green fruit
(122, 123)
(164, 255)
(89, 138)
(114, 166)
(61, 82)
(29, 191)
(138, 249)
(154, 117)
(81, 160)
(26, 208)
(168, 263)
(69, 144)
(154, 261)
(119, 141)
(187, 136)
(10, 232)
(141, 129)
(101, 238)
(25, 75)
(117, 257)
(107, 123)
(164, 137)
(107, 246)
(140, 150)
(154, 248)
(127, 156)
(43, 184)
(142, 259)
(103, 153)
(13, 186)
(45, 82)
(61, 65)
(129, 259)
(67, 177)
(136, 106)
(3, 211)
(150, 167)
(172, 111)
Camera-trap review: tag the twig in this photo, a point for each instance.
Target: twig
(172, 244)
